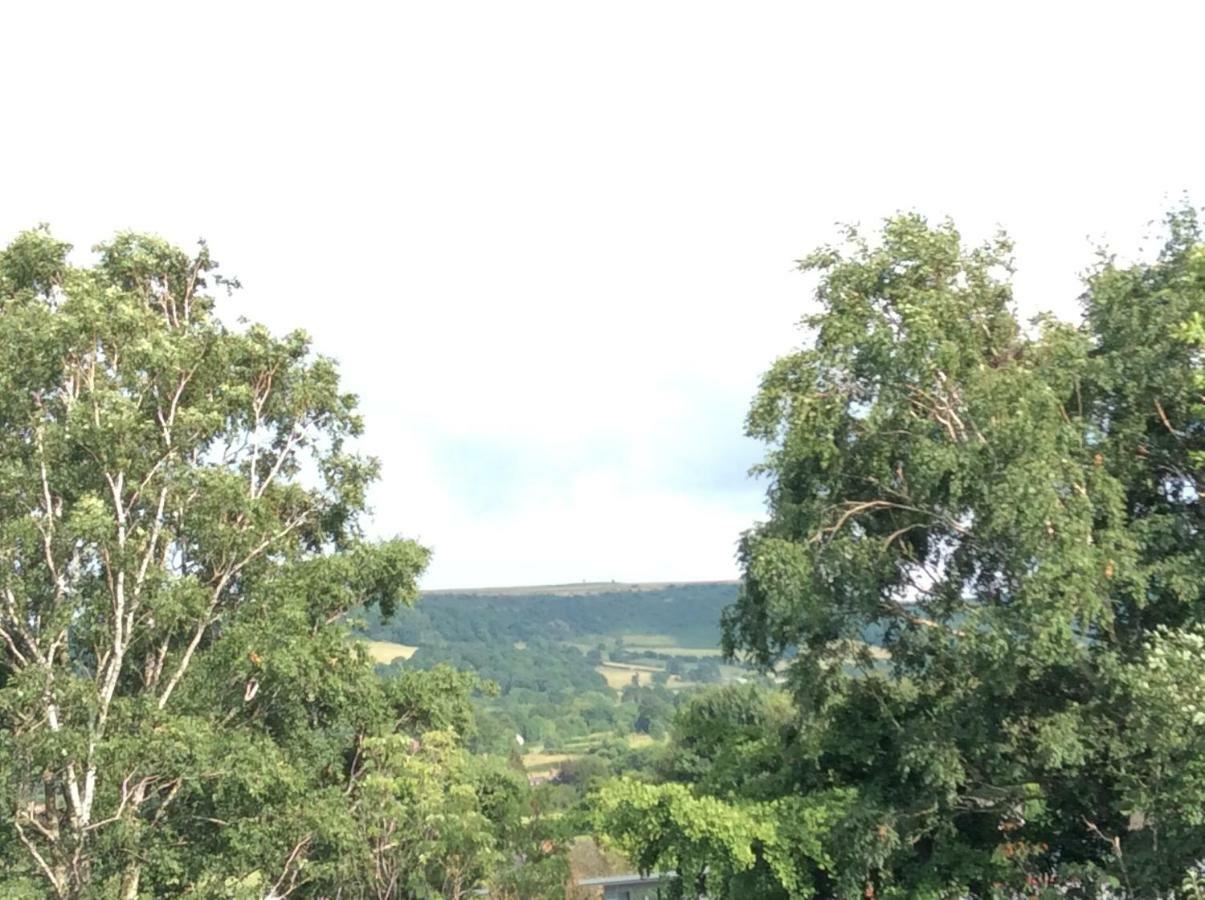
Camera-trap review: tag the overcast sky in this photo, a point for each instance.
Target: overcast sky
(552, 244)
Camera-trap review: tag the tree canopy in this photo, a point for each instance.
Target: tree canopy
(1017, 509)
(182, 711)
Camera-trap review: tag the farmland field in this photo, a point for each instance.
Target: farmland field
(620, 676)
(546, 764)
(387, 651)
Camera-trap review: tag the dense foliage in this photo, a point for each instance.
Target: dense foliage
(545, 692)
(688, 613)
(1018, 511)
(541, 666)
(181, 710)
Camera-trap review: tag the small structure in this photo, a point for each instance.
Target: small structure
(631, 887)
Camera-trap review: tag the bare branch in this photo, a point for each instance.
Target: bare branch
(1163, 418)
(126, 794)
(856, 507)
(285, 453)
(898, 610)
(55, 881)
(208, 618)
(291, 871)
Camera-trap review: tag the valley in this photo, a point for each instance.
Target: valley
(566, 669)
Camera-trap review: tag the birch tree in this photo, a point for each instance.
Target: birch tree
(180, 531)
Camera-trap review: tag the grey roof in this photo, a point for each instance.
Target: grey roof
(634, 879)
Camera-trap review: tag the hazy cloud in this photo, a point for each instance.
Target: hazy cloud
(551, 244)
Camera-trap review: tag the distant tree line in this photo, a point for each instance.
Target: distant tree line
(689, 614)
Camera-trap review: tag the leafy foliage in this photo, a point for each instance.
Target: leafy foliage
(1017, 511)
(180, 537)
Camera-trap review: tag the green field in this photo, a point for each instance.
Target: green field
(388, 651)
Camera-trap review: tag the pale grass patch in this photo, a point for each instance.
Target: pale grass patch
(387, 651)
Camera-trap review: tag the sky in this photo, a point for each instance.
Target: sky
(552, 244)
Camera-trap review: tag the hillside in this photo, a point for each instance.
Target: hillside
(574, 589)
(572, 663)
(682, 615)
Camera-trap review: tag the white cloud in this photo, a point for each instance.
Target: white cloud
(559, 236)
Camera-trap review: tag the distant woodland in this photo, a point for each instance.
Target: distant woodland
(688, 613)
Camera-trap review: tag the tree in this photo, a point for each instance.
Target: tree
(732, 741)
(706, 671)
(655, 707)
(180, 534)
(425, 818)
(428, 834)
(718, 849)
(1014, 514)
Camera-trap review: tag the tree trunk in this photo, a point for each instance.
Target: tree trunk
(129, 881)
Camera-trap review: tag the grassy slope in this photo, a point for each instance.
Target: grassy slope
(388, 651)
